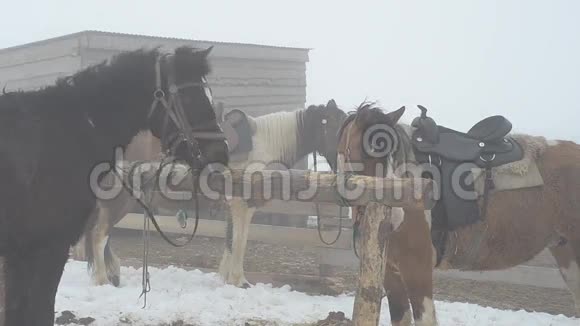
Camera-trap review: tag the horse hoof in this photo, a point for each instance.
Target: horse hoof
(116, 280)
(246, 285)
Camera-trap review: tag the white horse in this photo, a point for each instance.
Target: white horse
(281, 137)
(278, 138)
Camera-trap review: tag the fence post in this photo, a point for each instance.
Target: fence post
(369, 294)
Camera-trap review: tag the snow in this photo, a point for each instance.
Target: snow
(203, 299)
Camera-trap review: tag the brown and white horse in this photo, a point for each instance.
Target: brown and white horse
(518, 225)
(280, 141)
(281, 138)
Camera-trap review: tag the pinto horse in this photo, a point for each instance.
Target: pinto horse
(52, 139)
(280, 140)
(277, 137)
(518, 225)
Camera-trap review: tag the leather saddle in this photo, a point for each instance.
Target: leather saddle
(485, 145)
(239, 129)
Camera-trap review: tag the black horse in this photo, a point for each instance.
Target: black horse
(52, 139)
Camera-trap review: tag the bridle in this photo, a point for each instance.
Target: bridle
(171, 102)
(390, 156)
(184, 133)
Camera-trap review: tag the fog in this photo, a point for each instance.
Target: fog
(463, 60)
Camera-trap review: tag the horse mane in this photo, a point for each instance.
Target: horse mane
(404, 153)
(130, 63)
(278, 130)
(115, 94)
(349, 118)
(123, 68)
(351, 115)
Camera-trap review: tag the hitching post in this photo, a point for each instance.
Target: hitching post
(367, 303)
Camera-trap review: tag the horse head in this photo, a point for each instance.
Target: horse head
(182, 114)
(327, 120)
(370, 138)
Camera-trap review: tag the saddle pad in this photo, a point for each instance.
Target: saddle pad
(238, 132)
(520, 174)
(503, 180)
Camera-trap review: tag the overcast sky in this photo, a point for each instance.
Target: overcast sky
(464, 60)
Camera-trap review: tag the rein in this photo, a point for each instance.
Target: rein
(318, 225)
(356, 223)
(149, 216)
(317, 206)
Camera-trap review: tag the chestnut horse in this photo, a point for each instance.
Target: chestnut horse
(518, 225)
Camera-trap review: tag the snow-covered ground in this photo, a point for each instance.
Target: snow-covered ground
(202, 299)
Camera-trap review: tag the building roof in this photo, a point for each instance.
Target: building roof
(113, 34)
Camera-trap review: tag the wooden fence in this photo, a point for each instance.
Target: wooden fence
(367, 308)
(540, 271)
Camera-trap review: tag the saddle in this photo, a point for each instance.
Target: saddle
(453, 154)
(239, 129)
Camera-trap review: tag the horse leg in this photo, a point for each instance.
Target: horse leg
(241, 219)
(79, 250)
(2, 291)
(399, 307)
(416, 266)
(99, 267)
(225, 264)
(32, 283)
(568, 259)
(113, 264)
(43, 287)
(419, 284)
(18, 269)
(97, 242)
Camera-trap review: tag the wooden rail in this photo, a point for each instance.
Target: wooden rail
(266, 233)
(287, 185)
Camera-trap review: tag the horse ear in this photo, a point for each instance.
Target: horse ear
(396, 115)
(331, 104)
(206, 52)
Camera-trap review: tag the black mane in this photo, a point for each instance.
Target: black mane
(121, 87)
(123, 73)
